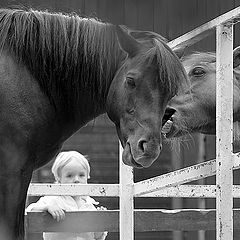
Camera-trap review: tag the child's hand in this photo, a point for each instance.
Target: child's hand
(56, 212)
(101, 208)
(100, 235)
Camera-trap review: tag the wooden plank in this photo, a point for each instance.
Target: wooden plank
(210, 147)
(106, 137)
(177, 203)
(112, 190)
(174, 18)
(201, 158)
(126, 199)
(190, 191)
(91, 8)
(92, 149)
(101, 10)
(77, 6)
(226, 6)
(190, 152)
(104, 190)
(224, 132)
(131, 13)
(71, 6)
(115, 11)
(160, 15)
(205, 30)
(145, 15)
(236, 29)
(83, 221)
(181, 176)
(145, 220)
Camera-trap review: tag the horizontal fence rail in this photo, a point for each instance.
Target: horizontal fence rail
(196, 35)
(181, 176)
(191, 191)
(144, 220)
(186, 191)
(100, 190)
(150, 187)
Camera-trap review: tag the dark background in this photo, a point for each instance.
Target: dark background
(98, 140)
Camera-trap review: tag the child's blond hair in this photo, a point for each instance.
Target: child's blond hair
(64, 158)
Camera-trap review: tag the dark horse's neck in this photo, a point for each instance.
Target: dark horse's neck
(74, 59)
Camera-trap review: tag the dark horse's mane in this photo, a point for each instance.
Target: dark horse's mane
(60, 50)
(67, 53)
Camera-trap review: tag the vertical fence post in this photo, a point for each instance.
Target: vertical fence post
(200, 159)
(126, 228)
(177, 203)
(224, 126)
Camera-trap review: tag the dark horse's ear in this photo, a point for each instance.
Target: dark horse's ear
(179, 51)
(128, 44)
(236, 57)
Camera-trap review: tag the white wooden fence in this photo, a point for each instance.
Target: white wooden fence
(126, 220)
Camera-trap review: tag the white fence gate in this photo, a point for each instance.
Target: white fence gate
(127, 220)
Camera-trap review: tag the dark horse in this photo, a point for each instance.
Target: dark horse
(57, 72)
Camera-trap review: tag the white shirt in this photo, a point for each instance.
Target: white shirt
(68, 204)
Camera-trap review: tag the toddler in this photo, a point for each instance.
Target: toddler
(69, 167)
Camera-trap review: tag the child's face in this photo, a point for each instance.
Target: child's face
(73, 172)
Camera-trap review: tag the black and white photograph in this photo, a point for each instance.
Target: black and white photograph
(119, 119)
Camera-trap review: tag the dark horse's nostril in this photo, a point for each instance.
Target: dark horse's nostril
(144, 148)
(160, 147)
(142, 145)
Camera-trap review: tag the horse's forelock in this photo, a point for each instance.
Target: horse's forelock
(171, 72)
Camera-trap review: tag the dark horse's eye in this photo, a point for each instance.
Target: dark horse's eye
(198, 72)
(130, 111)
(130, 82)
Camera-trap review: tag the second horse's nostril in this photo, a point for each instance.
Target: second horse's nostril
(142, 145)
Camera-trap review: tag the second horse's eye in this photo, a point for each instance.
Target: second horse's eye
(130, 82)
(198, 71)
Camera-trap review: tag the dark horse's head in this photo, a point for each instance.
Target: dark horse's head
(85, 67)
(139, 93)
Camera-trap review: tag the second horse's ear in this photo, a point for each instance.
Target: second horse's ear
(236, 57)
(128, 44)
(179, 51)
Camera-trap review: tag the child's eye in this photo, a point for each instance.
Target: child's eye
(82, 175)
(69, 176)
